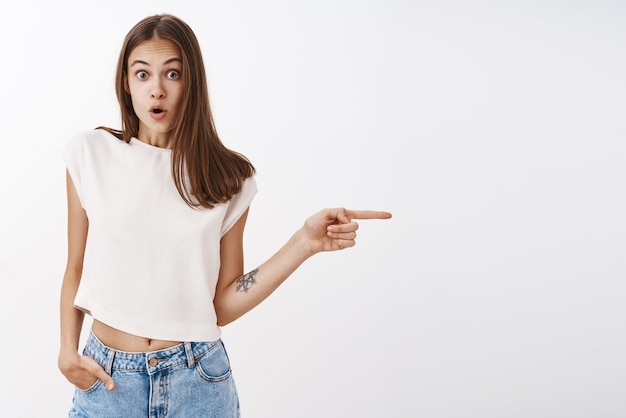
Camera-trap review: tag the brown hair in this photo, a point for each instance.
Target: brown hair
(214, 172)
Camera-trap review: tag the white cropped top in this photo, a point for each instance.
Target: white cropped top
(151, 261)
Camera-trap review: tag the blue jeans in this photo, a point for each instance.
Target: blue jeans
(188, 380)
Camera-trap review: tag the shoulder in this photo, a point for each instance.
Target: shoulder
(245, 195)
(239, 203)
(92, 139)
(92, 136)
(247, 190)
(249, 187)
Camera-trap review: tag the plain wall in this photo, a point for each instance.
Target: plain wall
(493, 130)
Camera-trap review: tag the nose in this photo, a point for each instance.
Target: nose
(157, 91)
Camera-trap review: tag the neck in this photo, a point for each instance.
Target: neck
(156, 140)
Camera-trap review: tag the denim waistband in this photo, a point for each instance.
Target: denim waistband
(153, 361)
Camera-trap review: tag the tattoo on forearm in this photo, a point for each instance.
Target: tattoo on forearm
(245, 282)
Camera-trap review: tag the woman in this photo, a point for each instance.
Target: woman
(156, 214)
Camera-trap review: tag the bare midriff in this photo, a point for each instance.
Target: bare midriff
(123, 341)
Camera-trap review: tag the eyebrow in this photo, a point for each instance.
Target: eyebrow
(169, 61)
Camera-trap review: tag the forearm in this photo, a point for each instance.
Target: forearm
(71, 319)
(252, 288)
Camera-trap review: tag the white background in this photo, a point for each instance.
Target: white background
(493, 130)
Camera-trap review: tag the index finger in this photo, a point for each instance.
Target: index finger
(368, 214)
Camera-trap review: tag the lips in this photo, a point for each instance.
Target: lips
(157, 113)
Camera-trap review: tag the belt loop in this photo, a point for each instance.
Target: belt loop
(191, 362)
(108, 367)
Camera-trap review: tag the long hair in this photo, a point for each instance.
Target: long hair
(204, 170)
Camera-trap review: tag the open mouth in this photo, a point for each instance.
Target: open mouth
(157, 113)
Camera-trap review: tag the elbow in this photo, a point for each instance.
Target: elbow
(221, 323)
(227, 310)
(223, 315)
(223, 319)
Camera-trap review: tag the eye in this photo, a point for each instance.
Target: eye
(173, 74)
(142, 75)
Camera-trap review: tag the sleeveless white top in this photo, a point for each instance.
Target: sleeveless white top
(151, 261)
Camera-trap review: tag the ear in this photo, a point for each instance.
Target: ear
(126, 88)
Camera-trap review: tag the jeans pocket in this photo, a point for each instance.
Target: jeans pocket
(213, 365)
(94, 386)
(91, 388)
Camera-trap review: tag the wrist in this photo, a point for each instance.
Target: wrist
(68, 348)
(301, 244)
(67, 359)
